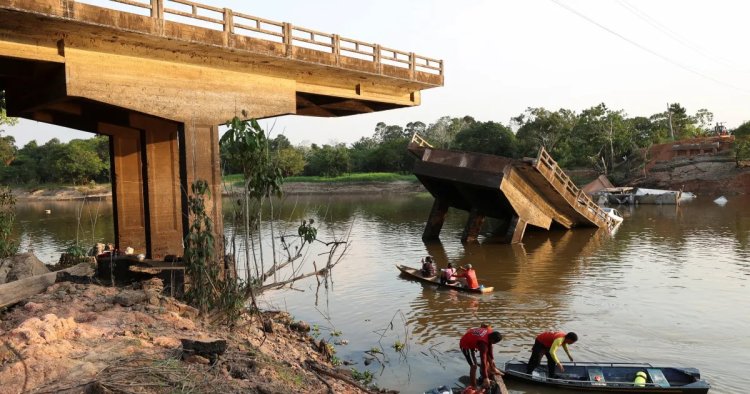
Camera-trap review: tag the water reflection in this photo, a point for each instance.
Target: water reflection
(670, 287)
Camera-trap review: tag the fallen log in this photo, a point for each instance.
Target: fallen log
(13, 292)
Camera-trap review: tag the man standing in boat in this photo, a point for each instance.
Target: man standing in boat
(547, 344)
(480, 339)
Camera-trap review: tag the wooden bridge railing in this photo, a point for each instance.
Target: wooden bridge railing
(288, 34)
(582, 203)
(417, 139)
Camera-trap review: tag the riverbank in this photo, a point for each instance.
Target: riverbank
(65, 193)
(62, 193)
(77, 338)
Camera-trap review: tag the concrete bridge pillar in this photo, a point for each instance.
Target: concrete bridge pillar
(436, 220)
(473, 226)
(515, 230)
(154, 161)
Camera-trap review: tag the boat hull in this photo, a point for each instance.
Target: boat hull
(415, 274)
(612, 377)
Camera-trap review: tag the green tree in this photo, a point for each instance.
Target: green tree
(8, 246)
(673, 124)
(291, 161)
(362, 155)
(278, 143)
(442, 133)
(8, 150)
(703, 120)
(77, 162)
(643, 131)
(540, 127)
(4, 119)
(742, 131)
(742, 143)
(328, 160)
(384, 133)
(7, 143)
(487, 137)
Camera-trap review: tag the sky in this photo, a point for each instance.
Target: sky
(504, 56)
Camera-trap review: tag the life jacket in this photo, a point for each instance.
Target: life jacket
(473, 336)
(546, 338)
(640, 379)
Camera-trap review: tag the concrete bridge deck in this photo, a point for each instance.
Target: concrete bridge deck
(159, 77)
(518, 192)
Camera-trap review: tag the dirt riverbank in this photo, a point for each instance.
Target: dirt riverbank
(87, 338)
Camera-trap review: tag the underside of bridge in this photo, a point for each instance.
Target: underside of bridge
(160, 89)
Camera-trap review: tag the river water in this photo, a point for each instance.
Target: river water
(670, 287)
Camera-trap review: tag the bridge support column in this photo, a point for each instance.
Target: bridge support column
(200, 160)
(147, 185)
(435, 221)
(516, 229)
(473, 226)
(154, 162)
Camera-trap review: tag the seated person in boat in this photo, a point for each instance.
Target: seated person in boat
(447, 275)
(469, 275)
(546, 344)
(480, 339)
(429, 269)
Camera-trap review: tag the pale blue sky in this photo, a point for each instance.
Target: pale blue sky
(504, 56)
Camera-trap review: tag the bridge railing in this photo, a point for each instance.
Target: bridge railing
(232, 22)
(565, 186)
(418, 140)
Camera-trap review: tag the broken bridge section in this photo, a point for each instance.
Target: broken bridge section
(517, 192)
(159, 77)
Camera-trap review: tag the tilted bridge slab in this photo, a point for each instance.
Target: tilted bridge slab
(159, 88)
(518, 192)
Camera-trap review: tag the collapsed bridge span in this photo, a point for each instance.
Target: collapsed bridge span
(531, 191)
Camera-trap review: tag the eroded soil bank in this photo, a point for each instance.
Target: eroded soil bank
(91, 338)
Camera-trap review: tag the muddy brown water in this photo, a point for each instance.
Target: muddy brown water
(670, 287)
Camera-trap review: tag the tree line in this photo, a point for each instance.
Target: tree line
(596, 137)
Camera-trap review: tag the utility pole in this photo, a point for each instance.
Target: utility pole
(669, 114)
(611, 147)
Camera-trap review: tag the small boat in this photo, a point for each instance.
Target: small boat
(613, 377)
(657, 196)
(415, 273)
(613, 214)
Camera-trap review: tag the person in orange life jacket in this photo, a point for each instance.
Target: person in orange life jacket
(470, 275)
(547, 344)
(480, 339)
(429, 268)
(447, 275)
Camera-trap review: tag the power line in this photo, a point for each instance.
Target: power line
(670, 33)
(659, 55)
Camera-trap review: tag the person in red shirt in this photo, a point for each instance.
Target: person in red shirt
(480, 339)
(470, 275)
(546, 344)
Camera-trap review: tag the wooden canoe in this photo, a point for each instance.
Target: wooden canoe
(613, 377)
(414, 273)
